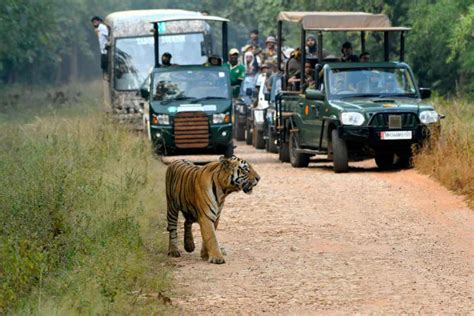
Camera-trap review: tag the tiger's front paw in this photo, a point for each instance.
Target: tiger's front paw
(189, 245)
(174, 253)
(216, 260)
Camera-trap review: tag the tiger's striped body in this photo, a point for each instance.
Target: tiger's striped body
(199, 193)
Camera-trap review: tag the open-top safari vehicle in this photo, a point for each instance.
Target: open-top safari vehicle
(355, 110)
(189, 105)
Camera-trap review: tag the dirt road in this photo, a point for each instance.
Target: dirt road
(311, 241)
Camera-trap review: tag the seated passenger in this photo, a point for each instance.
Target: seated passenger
(370, 84)
(364, 57)
(250, 65)
(391, 86)
(347, 55)
(166, 60)
(213, 60)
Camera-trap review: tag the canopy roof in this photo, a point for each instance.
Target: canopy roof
(187, 17)
(340, 21)
(137, 22)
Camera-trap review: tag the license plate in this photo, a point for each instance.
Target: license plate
(393, 135)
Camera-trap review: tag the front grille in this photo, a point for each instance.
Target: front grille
(382, 120)
(191, 130)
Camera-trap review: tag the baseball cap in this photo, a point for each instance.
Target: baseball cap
(233, 51)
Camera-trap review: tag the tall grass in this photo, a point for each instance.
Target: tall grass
(82, 210)
(449, 157)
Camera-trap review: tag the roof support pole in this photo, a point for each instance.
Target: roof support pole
(303, 56)
(386, 46)
(320, 47)
(225, 47)
(280, 44)
(402, 46)
(362, 42)
(156, 38)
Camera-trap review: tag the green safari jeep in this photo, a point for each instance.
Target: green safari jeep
(360, 111)
(351, 110)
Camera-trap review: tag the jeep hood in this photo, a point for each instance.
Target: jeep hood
(389, 104)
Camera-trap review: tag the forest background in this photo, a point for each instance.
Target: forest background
(52, 41)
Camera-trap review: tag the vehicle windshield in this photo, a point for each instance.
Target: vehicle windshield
(192, 85)
(377, 82)
(134, 56)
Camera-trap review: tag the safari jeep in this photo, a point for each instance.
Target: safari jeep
(354, 110)
(189, 106)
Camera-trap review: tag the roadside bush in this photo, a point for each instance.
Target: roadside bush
(449, 157)
(82, 209)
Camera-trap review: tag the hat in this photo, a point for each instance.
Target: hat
(245, 48)
(233, 51)
(270, 39)
(265, 66)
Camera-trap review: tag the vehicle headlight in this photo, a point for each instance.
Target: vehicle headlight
(163, 119)
(427, 117)
(352, 118)
(220, 118)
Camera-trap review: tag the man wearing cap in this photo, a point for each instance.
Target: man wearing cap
(255, 41)
(270, 54)
(347, 55)
(237, 70)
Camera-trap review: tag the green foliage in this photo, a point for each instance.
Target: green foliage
(80, 211)
(53, 40)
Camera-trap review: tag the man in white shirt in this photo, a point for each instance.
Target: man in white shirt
(103, 35)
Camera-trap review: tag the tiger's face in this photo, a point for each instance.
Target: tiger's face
(242, 175)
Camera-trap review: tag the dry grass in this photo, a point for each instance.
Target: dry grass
(449, 157)
(82, 210)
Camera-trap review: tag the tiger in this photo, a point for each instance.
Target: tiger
(199, 193)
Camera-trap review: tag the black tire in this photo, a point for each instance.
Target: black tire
(270, 143)
(297, 160)
(258, 141)
(239, 132)
(284, 152)
(404, 160)
(248, 136)
(340, 154)
(385, 161)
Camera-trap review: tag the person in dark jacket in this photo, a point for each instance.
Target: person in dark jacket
(347, 55)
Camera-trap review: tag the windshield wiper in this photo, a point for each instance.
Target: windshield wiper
(177, 99)
(208, 98)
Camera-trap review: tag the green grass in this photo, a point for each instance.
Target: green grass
(82, 210)
(449, 157)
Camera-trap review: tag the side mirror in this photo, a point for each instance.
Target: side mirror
(312, 94)
(249, 92)
(144, 93)
(425, 93)
(267, 96)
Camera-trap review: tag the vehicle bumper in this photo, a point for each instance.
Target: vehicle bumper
(370, 137)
